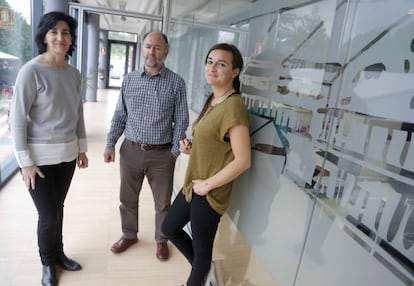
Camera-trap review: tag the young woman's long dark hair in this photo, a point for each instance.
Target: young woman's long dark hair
(48, 21)
(237, 62)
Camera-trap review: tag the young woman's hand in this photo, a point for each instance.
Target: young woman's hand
(185, 146)
(201, 187)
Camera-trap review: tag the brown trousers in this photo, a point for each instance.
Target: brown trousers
(158, 167)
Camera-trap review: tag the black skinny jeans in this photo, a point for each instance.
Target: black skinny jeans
(49, 196)
(204, 222)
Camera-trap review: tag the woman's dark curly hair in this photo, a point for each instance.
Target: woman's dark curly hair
(48, 21)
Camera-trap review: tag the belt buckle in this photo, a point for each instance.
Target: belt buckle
(144, 147)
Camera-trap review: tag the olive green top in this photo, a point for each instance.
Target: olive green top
(211, 151)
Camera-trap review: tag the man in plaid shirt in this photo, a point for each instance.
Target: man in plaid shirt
(152, 114)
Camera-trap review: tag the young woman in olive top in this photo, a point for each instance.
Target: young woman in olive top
(219, 153)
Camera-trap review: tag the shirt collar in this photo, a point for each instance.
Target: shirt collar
(160, 73)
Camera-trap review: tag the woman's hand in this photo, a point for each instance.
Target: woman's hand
(201, 187)
(82, 160)
(185, 146)
(29, 176)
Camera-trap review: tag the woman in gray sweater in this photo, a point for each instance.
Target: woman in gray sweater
(48, 131)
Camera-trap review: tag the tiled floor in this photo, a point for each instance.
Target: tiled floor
(92, 225)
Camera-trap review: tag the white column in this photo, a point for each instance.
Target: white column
(56, 5)
(91, 76)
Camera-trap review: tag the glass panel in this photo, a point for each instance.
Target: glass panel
(129, 24)
(329, 89)
(128, 27)
(191, 38)
(189, 48)
(117, 64)
(131, 59)
(213, 12)
(287, 79)
(153, 7)
(15, 50)
(122, 36)
(366, 183)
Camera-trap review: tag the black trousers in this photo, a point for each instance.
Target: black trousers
(204, 222)
(49, 196)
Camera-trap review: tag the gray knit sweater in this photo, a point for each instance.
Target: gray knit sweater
(46, 119)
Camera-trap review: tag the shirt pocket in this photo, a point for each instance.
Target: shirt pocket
(135, 97)
(165, 103)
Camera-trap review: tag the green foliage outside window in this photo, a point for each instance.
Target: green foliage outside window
(17, 41)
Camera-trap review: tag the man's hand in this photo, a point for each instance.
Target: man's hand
(109, 155)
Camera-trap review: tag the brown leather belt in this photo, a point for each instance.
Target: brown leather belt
(147, 147)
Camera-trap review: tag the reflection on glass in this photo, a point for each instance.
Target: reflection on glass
(329, 86)
(15, 50)
(122, 57)
(117, 64)
(368, 174)
(189, 43)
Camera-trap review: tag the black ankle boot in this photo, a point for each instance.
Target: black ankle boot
(68, 264)
(49, 275)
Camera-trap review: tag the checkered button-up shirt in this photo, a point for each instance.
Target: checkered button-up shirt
(151, 109)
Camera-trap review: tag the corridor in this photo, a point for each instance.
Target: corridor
(92, 225)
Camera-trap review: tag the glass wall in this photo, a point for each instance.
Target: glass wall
(122, 54)
(195, 43)
(15, 50)
(329, 199)
(191, 38)
(365, 188)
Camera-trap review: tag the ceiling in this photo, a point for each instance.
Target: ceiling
(202, 11)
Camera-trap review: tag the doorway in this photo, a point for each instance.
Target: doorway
(122, 59)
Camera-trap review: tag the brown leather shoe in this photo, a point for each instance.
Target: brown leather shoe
(123, 244)
(163, 252)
